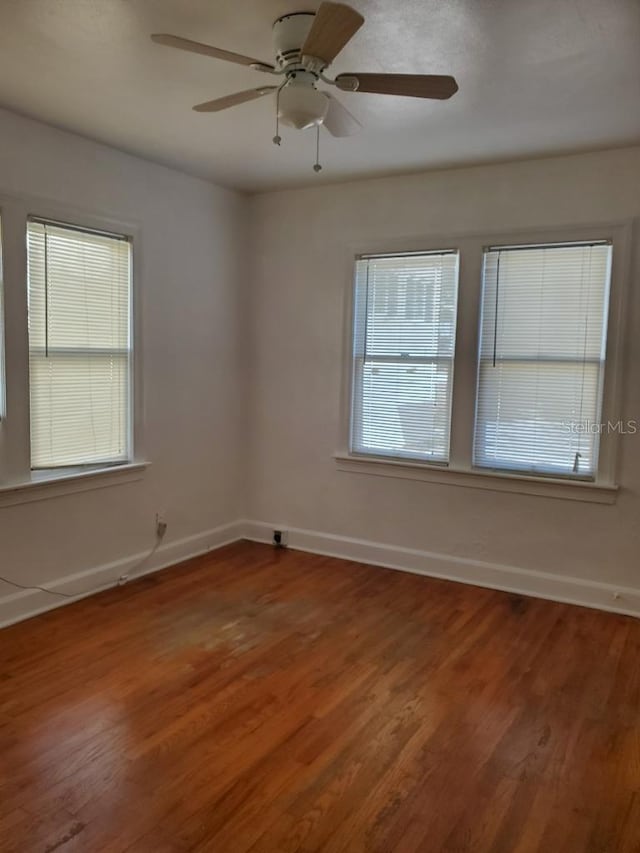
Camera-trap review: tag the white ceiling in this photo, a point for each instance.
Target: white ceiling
(535, 77)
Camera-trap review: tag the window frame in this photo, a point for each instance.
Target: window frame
(460, 469)
(78, 466)
(530, 360)
(16, 475)
(356, 379)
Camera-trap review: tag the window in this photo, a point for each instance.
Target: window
(535, 403)
(79, 300)
(404, 343)
(542, 346)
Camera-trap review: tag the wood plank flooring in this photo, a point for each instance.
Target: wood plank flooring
(273, 701)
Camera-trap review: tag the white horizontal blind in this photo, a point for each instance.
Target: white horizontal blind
(79, 345)
(541, 361)
(403, 350)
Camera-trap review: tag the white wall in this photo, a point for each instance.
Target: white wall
(243, 373)
(193, 239)
(301, 267)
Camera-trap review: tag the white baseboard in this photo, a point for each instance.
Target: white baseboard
(569, 590)
(603, 596)
(25, 603)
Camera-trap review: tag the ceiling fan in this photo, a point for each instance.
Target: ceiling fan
(306, 43)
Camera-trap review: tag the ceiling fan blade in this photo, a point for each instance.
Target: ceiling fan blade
(205, 49)
(333, 26)
(339, 121)
(233, 100)
(439, 86)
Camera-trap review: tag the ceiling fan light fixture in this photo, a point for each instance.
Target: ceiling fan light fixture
(302, 107)
(306, 44)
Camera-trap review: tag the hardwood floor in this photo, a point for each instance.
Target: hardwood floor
(273, 701)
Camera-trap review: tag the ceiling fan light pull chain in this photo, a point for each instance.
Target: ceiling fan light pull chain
(277, 139)
(316, 166)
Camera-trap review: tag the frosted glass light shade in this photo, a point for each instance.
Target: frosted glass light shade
(302, 107)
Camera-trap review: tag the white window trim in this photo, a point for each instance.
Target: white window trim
(16, 476)
(70, 482)
(476, 478)
(460, 470)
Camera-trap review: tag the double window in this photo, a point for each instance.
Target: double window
(73, 390)
(531, 402)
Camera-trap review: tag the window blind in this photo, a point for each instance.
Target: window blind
(403, 351)
(543, 336)
(79, 293)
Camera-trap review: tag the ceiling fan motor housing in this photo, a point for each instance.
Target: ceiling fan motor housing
(300, 104)
(289, 34)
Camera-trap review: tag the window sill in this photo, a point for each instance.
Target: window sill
(490, 480)
(53, 484)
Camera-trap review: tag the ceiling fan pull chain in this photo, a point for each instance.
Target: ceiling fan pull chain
(317, 167)
(277, 139)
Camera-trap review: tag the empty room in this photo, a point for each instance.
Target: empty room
(319, 426)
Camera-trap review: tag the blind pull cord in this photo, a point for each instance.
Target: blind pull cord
(584, 356)
(495, 317)
(367, 286)
(46, 293)
(576, 462)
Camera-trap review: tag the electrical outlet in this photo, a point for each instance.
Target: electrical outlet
(161, 525)
(280, 538)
